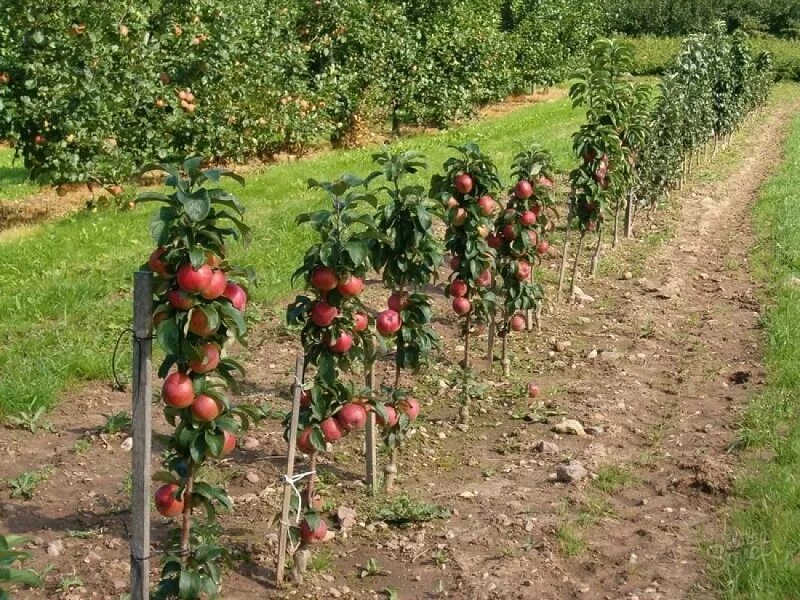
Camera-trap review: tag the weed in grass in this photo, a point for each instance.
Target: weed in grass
(391, 594)
(593, 509)
(31, 418)
(68, 582)
(321, 561)
(116, 422)
(371, 569)
(81, 445)
(440, 557)
(402, 510)
(570, 541)
(612, 478)
(26, 483)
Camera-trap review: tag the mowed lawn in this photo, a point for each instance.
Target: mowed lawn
(65, 286)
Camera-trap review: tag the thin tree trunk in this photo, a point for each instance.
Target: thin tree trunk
(186, 525)
(629, 214)
(490, 345)
(617, 208)
(464, 412)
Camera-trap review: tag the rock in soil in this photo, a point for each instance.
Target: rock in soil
(570, 426)
(546, 447)
(571, 472)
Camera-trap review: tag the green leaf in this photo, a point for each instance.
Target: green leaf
(197, 205)
(197, 256)
(189, 584)
(234, 315)
(169, 336)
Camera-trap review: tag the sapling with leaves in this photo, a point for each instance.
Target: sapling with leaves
(335, 329)
(408, 256)
(465, 190)
(521, 239)
(11, 573)
(200, 298)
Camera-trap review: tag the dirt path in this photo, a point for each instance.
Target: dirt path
(656, 369)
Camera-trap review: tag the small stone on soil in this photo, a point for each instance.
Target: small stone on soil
(570, 426)
(571, 472)
(546, 447)
(252, 477)
(55, 548)
(250, 443)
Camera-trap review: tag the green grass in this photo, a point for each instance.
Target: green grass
(761, 557)
(653, 55)
(65, 286)
(14, 182)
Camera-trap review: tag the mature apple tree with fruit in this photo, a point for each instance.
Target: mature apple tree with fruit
(408, 256)
(335, 330)
(466, 191)
(199, 313)
(521, 240)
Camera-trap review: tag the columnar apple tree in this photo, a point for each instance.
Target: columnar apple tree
(465, 189)
(520, 240)
(199, 312)
(335, 328)
(408, 255)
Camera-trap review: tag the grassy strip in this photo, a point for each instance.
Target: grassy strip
(65, 286)
(760, 560)
(14, 182)
(652, 55)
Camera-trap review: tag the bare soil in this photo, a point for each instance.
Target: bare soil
(659, 365)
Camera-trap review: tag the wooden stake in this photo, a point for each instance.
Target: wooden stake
(629, 213)
(596, 255)
(490, 349)
(142, 433)
(283, 536)
(575, 265)
(564, 260)
(464, 412)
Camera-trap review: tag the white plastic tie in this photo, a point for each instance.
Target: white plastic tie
(292, 480)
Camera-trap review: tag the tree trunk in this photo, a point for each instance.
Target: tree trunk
(186, 524)
(563, 260)
(575, 265)
(596, 255)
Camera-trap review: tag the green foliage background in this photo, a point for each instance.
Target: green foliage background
(267, 76)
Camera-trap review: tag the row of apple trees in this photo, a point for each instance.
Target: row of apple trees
(634, 148)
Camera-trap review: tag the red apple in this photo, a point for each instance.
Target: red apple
(305, 398)
(458, 288)
(341, 344)
(527, 218)
(177, 391)
(544, 182)
(309, 536)
(216, 287)
(212, 260)
(236, 294)
(228, 443)
(304, 441)
(410, 407)
(199, 325)
(209, 360)
(193, 280)
(523, 271)
(532, 237)
(352, 416)
(455, 263)
(39, 139)
(180, 299)
(494, 241)
(487, 205)
(517, 323)
(323, 314)
(166, 502)
(205, 409)
(460, 218)
(391, 417)
(509, 232)
(350, 286)
(543, 247)
(523, 189)
(361, 322)
(533, 390)
(397, 301)
(324, 278)
(484, 279)
(388, 322)
(451, 203)
(461, 306)
(463, 183)
(331, 430)
(156, 264)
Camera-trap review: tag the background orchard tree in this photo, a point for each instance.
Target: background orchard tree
(408, 256)
(199, 312)
(465, 190)
(335, 334)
